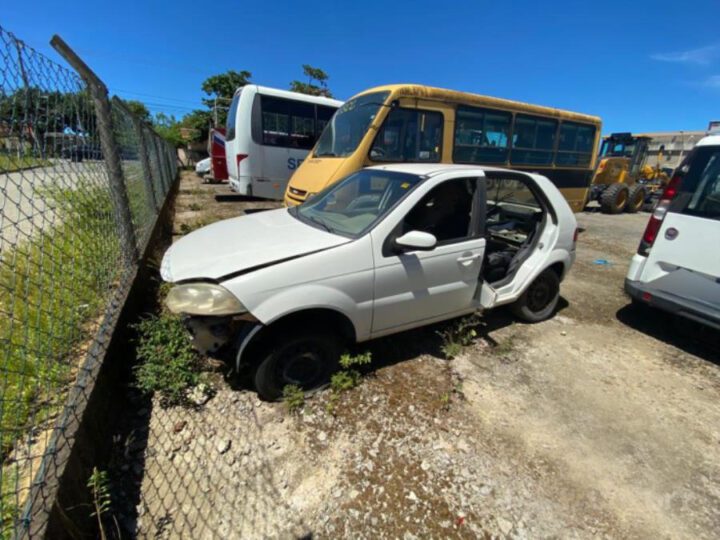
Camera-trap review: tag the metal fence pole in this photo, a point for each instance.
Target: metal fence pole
(164, 172)
(144, 160)
(103, 112)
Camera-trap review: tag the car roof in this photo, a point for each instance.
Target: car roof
(431, 169)
(711, 140)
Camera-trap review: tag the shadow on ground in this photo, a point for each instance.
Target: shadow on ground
(690, 337)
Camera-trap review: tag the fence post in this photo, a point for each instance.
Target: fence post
(118, 191)
(144, 161)
(164, 174)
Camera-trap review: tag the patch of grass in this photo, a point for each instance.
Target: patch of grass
(195, 207)
(458, 335)
(13, 163)
(186, 228)
(505, 347)
(169, 365)
(347, 378)
(293, 397)
(51, 287)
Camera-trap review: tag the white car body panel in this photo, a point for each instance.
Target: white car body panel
(302, 267)
(236, 244)
(681, 271)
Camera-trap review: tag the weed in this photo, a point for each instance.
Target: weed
(294, 398)
(99, 485)
(186, 228)
(349, 377)
(458, 336)
(505, 347)
(195, 207)
(169, 365)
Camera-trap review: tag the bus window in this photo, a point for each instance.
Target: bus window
(302, 133)
(576, 144)
(324, 114)
(232, 115)
(533, 140)
(481, 135)
(275, 121)
(409, 135)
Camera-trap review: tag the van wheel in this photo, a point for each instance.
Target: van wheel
(614, 199)
(540, 299)
(636, 199)
(304, 359)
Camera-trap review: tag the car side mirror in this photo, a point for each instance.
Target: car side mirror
(416, 240)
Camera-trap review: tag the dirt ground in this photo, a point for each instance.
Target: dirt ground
(601, 422)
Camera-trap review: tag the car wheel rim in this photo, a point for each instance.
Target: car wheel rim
(539, 296)
(302, 366)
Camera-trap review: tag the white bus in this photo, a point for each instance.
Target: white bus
(269, 133)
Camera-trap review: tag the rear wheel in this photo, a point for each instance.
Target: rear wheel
(540, 299)
(614, 199)
(304, 359)
(636, 199)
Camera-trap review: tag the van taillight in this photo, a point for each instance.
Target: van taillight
(238, 159)
(658, 215)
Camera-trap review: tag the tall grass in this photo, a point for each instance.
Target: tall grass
(52, 290)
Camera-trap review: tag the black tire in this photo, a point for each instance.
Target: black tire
(614, 199)
(305, 359)
(636, 199)
(540, 299)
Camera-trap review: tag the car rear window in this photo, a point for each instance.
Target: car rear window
(700, 189)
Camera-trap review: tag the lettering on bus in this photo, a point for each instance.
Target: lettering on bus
(294, 163)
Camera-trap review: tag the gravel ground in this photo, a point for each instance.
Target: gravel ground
(601, 422)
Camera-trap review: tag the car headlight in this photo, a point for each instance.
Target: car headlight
(203, 299)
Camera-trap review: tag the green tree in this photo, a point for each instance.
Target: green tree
(168, 128)
(314, 75)
(221, 88)
(199, 121)
(138, 108)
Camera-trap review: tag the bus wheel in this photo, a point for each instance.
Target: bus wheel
(614, 199)
(636, 199)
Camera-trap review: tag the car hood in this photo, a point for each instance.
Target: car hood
(235, 245)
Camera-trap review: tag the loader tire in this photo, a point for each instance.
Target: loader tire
(636, 199)
(614, 199)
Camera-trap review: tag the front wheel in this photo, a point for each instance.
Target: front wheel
(614, 199)
(540, 299)
(304, 359)
(636, 199)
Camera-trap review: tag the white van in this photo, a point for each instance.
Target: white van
(386, 249)
(269, 133)
(677, 266)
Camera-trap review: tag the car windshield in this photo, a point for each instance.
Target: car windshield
(344, 132)
(356, 203)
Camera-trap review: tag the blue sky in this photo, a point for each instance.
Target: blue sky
(640, 65)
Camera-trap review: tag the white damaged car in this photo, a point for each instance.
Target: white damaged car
(386, 249)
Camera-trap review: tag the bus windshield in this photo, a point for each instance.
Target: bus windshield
(342, 135)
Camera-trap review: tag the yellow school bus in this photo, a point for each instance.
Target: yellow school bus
(420, 124)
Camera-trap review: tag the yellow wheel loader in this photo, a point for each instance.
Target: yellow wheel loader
(622, 181)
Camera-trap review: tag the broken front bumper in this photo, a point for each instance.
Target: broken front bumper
(216, 336)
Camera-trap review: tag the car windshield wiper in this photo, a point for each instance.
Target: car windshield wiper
(326, 154)
(321, 223)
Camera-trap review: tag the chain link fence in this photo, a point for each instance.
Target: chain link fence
(80, 194)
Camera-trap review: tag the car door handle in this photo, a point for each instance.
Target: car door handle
(468, 258)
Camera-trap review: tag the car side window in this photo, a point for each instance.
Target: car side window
(445, 211)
